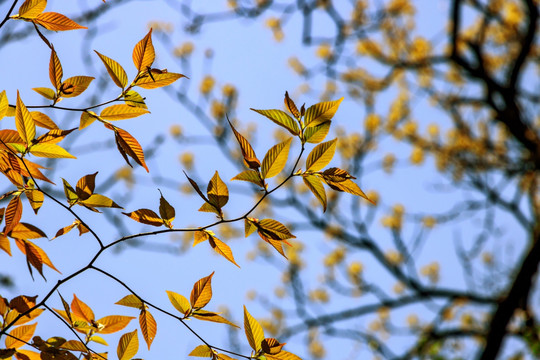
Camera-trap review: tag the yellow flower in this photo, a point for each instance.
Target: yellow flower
(429, 221)
(372, 122)
(175, 130)
(207, 84)
(324, 51)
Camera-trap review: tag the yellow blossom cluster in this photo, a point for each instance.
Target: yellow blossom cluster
(335, 257)
(275, 25)
(324, 51)
(175, 130)
(394, 257)
(184, 49)
(161, 26)
(125, 173)
(297, 66)
(431, 271)
(207, 84)
(187, 160)
(395, 219)
(319, 295)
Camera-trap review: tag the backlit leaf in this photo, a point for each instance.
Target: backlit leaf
(131, 301)
(218, 194)
(350, 187)
(275, 159)
(283, 355)
(321, 155)
(179, 302)
(143, 53)
(196, 187)
(42, 120)
(57, 22)
(321, 112)
(201, 351)
(316, 134)
(23, 320)
(129, 145)
(251, 176)
(70, 193)
(207, 207)
(26, 231)
(148, 327)
(20, 336)
(98, 200)
(4, 244)
(75, 86)
(23, 354)
(113, 323)
(13, 213)
(145, 216)
(271, 346)
(200, 236)
(121, 112)
(32, 8)
(315, 185)
(55, 70)
(157, 80)
(212, 316)
(80, 309)
(115, 70)
(336, 175)
(250, 159)
(291, 106)
(202, 292)
(249, 226)
(274, 229)
(254, 331)
(47, 93)
(35, 198)
(133, 98)
(99, 340)
(4, 104)
(282, 119)
(128, 346)
(223, 249)
(35, 255)
(87, 118)
(23, 303)
(26, 127)
(74, 345)
(49, 150)
(85, 186)
(166, 211)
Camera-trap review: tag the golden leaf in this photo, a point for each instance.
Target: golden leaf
(282, 119)
(291, 106)
(49, 150)
(87, 118)
(26, 231)
(274, 229)
(202, 292)
(148, 327)
(47, 93)
(200, 236)
(85, 186)
(250, 226)
(74, 345)
(55, 70)
(115, 70)
(145, 216)
(35, 255)
(321, 155)
(128, 145)
(350, 187)
(4, 244)
(13, 214)
(254, 331)
(166, 211)
(250, 159)
(223, 249)
(32, 8)
(336, 175)
(131, 301)
(35, 198)
(201, 351)
(316, 134)
(121, 112)
(251, 176)
(23, 320)
(42, 120)
(57, 22)
(282, 355)
(80, 309)
(113, 323)
(212, 316)
(143, 53)
(54, 136)
(70, 193)
(74, 86)
(217, 192)
(26, 127)
(157, 80)
(271, 346)
(320, 113)
(133, 98)
(98, 200)
(20, 336)
(4, 104)
(315, 185)
(179, 302)
(128, 346)
(275, 159)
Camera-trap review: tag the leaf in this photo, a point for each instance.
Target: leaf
(254, 331)
(121, 112)
(26, 126)
(23, 354)
(64, 230)
(4, 104)
(316, 134)
(336, 175)
(70, 193)
(49, 150)
(283, 355)
(20, 336)
(218, 194)
(131, 301)
(74, 345)
(315, 185)
(148, 327)
(55, 70)
(113, 323)
(350, 187)
(251, 176)
(145, 216)
(200, 236)
(13, 214)
(133, 98)
(54, 136)
(250, 226)
(4, 244)
(87, 118)
(26, 231)
(23, 320)
(80, 309)
(143, 53)
(32, 8)
(128, 346)
(202, 351)
(207, 207)
(157, 80)
(85, 186)
(282, 119)
(202, 292)
(115, 70)
(212, 316)
(321, 155)
(57, 22)
(321, 112)
(35, 256)
(291, 106)
(179, 302)
(99, 340)
(42, 120)
(98, 200)
(250, 159)
(274, 229)
(196, 187)
(223, 249)
(166, 211)
(275, 159)
(271, 346)
(75, 86)
(47, 93)
(128, 145)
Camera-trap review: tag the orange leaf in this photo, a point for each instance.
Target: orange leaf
(143, 53)
(4, 244)
(20, 336)
(115, 70)
(80, 309)
(35, 256)
(26, 231)
(113, 323)
(35, 198)
(128, 145)
(26, 126)
(32, 8)
(13, 213)
(223, 249)
(250, 158)
(57, 22)
(121, 112)
(145, 216)
(202, 292)
(128, 346)
(157, 80)
(291, 106)
(43, 120)
(85, 186)
(148, 327)
(54, 136)
(75, 86)
(55, 70)
(200, 236)
(212, 316)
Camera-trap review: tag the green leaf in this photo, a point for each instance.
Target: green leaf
(321, 112)
(282, 119)
(315, 185)
(275, 159)
(321, 155)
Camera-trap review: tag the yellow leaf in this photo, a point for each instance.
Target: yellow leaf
(20, 336)
(64, 230)
(26, 127)
(250, 159)
(43, 120)
(35, 255)
(35, 198)
(113, 323)
(85, 186)
(128, 346)
(23, 320)
(87, 118)
(275, 159)
(148, 327)
(274, 230)
(207, 207)
(321, 112)
(50, 151)
(131, 301)
(254, 331)
(200, 236)
(55, 70)
(145, 216)
(251, 176)
(271, 346)
(315, 185)
(74, 86)
(212, 316)
(316, 134)
(54, 136)
(157, 80)
(26, 231)
(74, 345)
(282, 119)
(128, 145)
(321, 155)
(4, 104)
(250, 226)
(32, 8)
(166, 211)
(143, 53)
(47, 93)
(350, 187)
(179, 302)
(202, 292)
(80, 309)
(99, 340)
(97, 200)
(115, 70)
(282, 355)
(27, 355)
(201, 351)
(196, 187)
(218, 194)
(223, 249)
(121, 112)
(336, 175)
(13, 214)
(291, 106)
(133, 98)
(4, 244)
(57, 22)
(70, 193)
